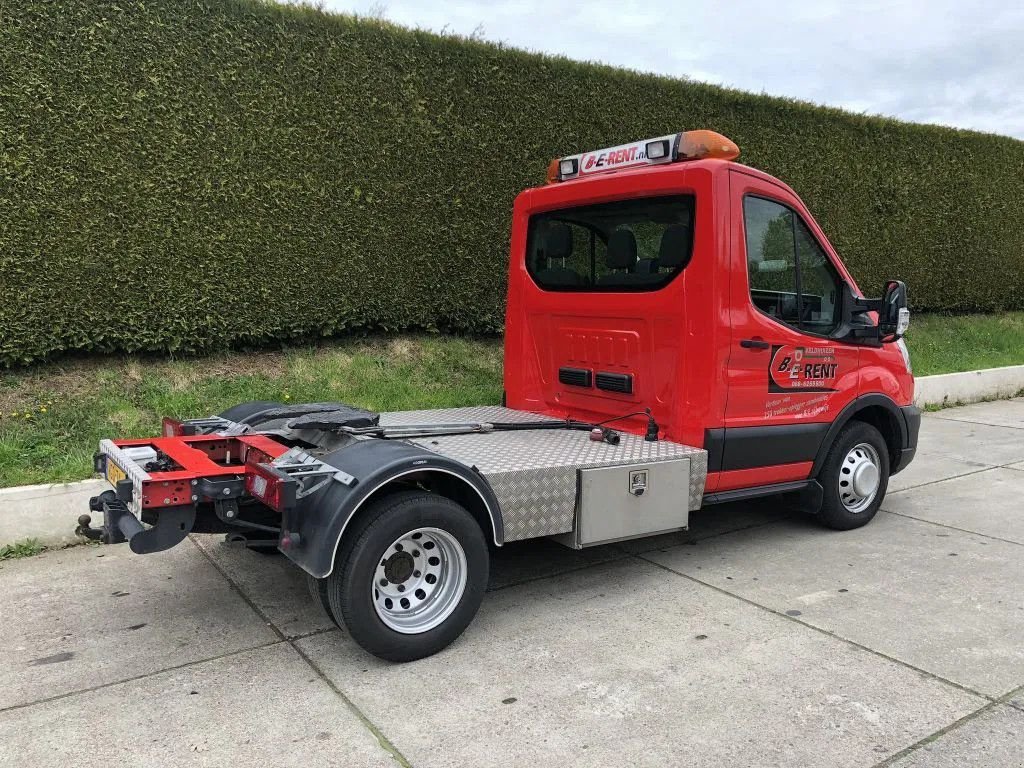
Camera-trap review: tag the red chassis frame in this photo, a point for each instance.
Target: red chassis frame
(200, 456)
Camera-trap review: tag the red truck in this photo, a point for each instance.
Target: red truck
(679, 333)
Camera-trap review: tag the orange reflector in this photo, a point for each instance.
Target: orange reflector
(697, 145)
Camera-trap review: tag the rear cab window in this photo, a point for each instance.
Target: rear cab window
(626, 245)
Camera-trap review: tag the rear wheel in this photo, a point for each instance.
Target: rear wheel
(855, 477)
(318, 591)
(410, 577)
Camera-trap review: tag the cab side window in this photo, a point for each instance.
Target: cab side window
(819, 284)
(791, 278)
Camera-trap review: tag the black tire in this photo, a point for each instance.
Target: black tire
(243, 411)
(350, 586)
(834, 477)
(318, 591)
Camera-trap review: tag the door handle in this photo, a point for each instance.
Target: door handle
(754, 344)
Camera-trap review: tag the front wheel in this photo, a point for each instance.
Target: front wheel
(410, 577)
(854, 477)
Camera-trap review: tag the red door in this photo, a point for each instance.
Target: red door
(786, 378)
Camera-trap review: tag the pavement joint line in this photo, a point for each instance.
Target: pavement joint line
(750, 527)
(142, 676)
(952, 527)
(945, 479)
(956, 724)
(238, 591)
(821, 630)
(382, 740)
(1005, 699)
(980, 423)
(314, 633)
(626, 555)
(574, 569)
(1008, 698)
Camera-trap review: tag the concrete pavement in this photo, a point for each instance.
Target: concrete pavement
(756, 638)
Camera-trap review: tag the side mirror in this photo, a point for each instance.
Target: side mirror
(893, 315)
(858, 327)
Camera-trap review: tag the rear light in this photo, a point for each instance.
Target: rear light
(252, 455)
(172, 427)
(271, 486)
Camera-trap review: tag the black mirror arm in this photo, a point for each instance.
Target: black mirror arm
(860, 304)
(872, 334)
(857, 332)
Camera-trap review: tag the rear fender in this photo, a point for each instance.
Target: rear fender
(321, 520)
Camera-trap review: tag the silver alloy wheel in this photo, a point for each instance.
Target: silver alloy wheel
(419, 581)
(859, 477)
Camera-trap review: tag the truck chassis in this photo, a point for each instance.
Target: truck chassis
(296, 477)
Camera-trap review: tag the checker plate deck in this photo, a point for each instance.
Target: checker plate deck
(533, 473)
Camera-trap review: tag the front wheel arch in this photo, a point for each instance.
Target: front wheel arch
(878, 410)
(859, 446)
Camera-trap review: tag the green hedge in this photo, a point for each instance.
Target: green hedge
(183, 174)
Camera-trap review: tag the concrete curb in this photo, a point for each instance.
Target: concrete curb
(45, 512)
(969, 386)
(48, 512)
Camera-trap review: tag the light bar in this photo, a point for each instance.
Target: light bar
(688, 145)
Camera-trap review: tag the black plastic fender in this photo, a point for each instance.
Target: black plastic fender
(851, 410)
(320, 519)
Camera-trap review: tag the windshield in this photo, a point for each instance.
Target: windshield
(626, 245)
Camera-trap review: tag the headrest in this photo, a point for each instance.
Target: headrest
(558, 242)
(621, 250)
(676, 246)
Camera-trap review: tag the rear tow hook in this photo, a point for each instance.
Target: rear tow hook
(85, 529)
(172, 525)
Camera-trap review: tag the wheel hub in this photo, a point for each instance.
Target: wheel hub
(859, 477)
(865, 479)
(419, 580)
(399, 567)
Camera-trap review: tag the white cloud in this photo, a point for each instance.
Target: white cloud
(936, 61)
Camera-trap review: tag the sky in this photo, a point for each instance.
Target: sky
(928, 61)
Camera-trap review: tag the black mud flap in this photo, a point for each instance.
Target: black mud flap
(172, 525)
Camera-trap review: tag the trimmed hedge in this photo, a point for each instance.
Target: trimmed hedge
(183, 174)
